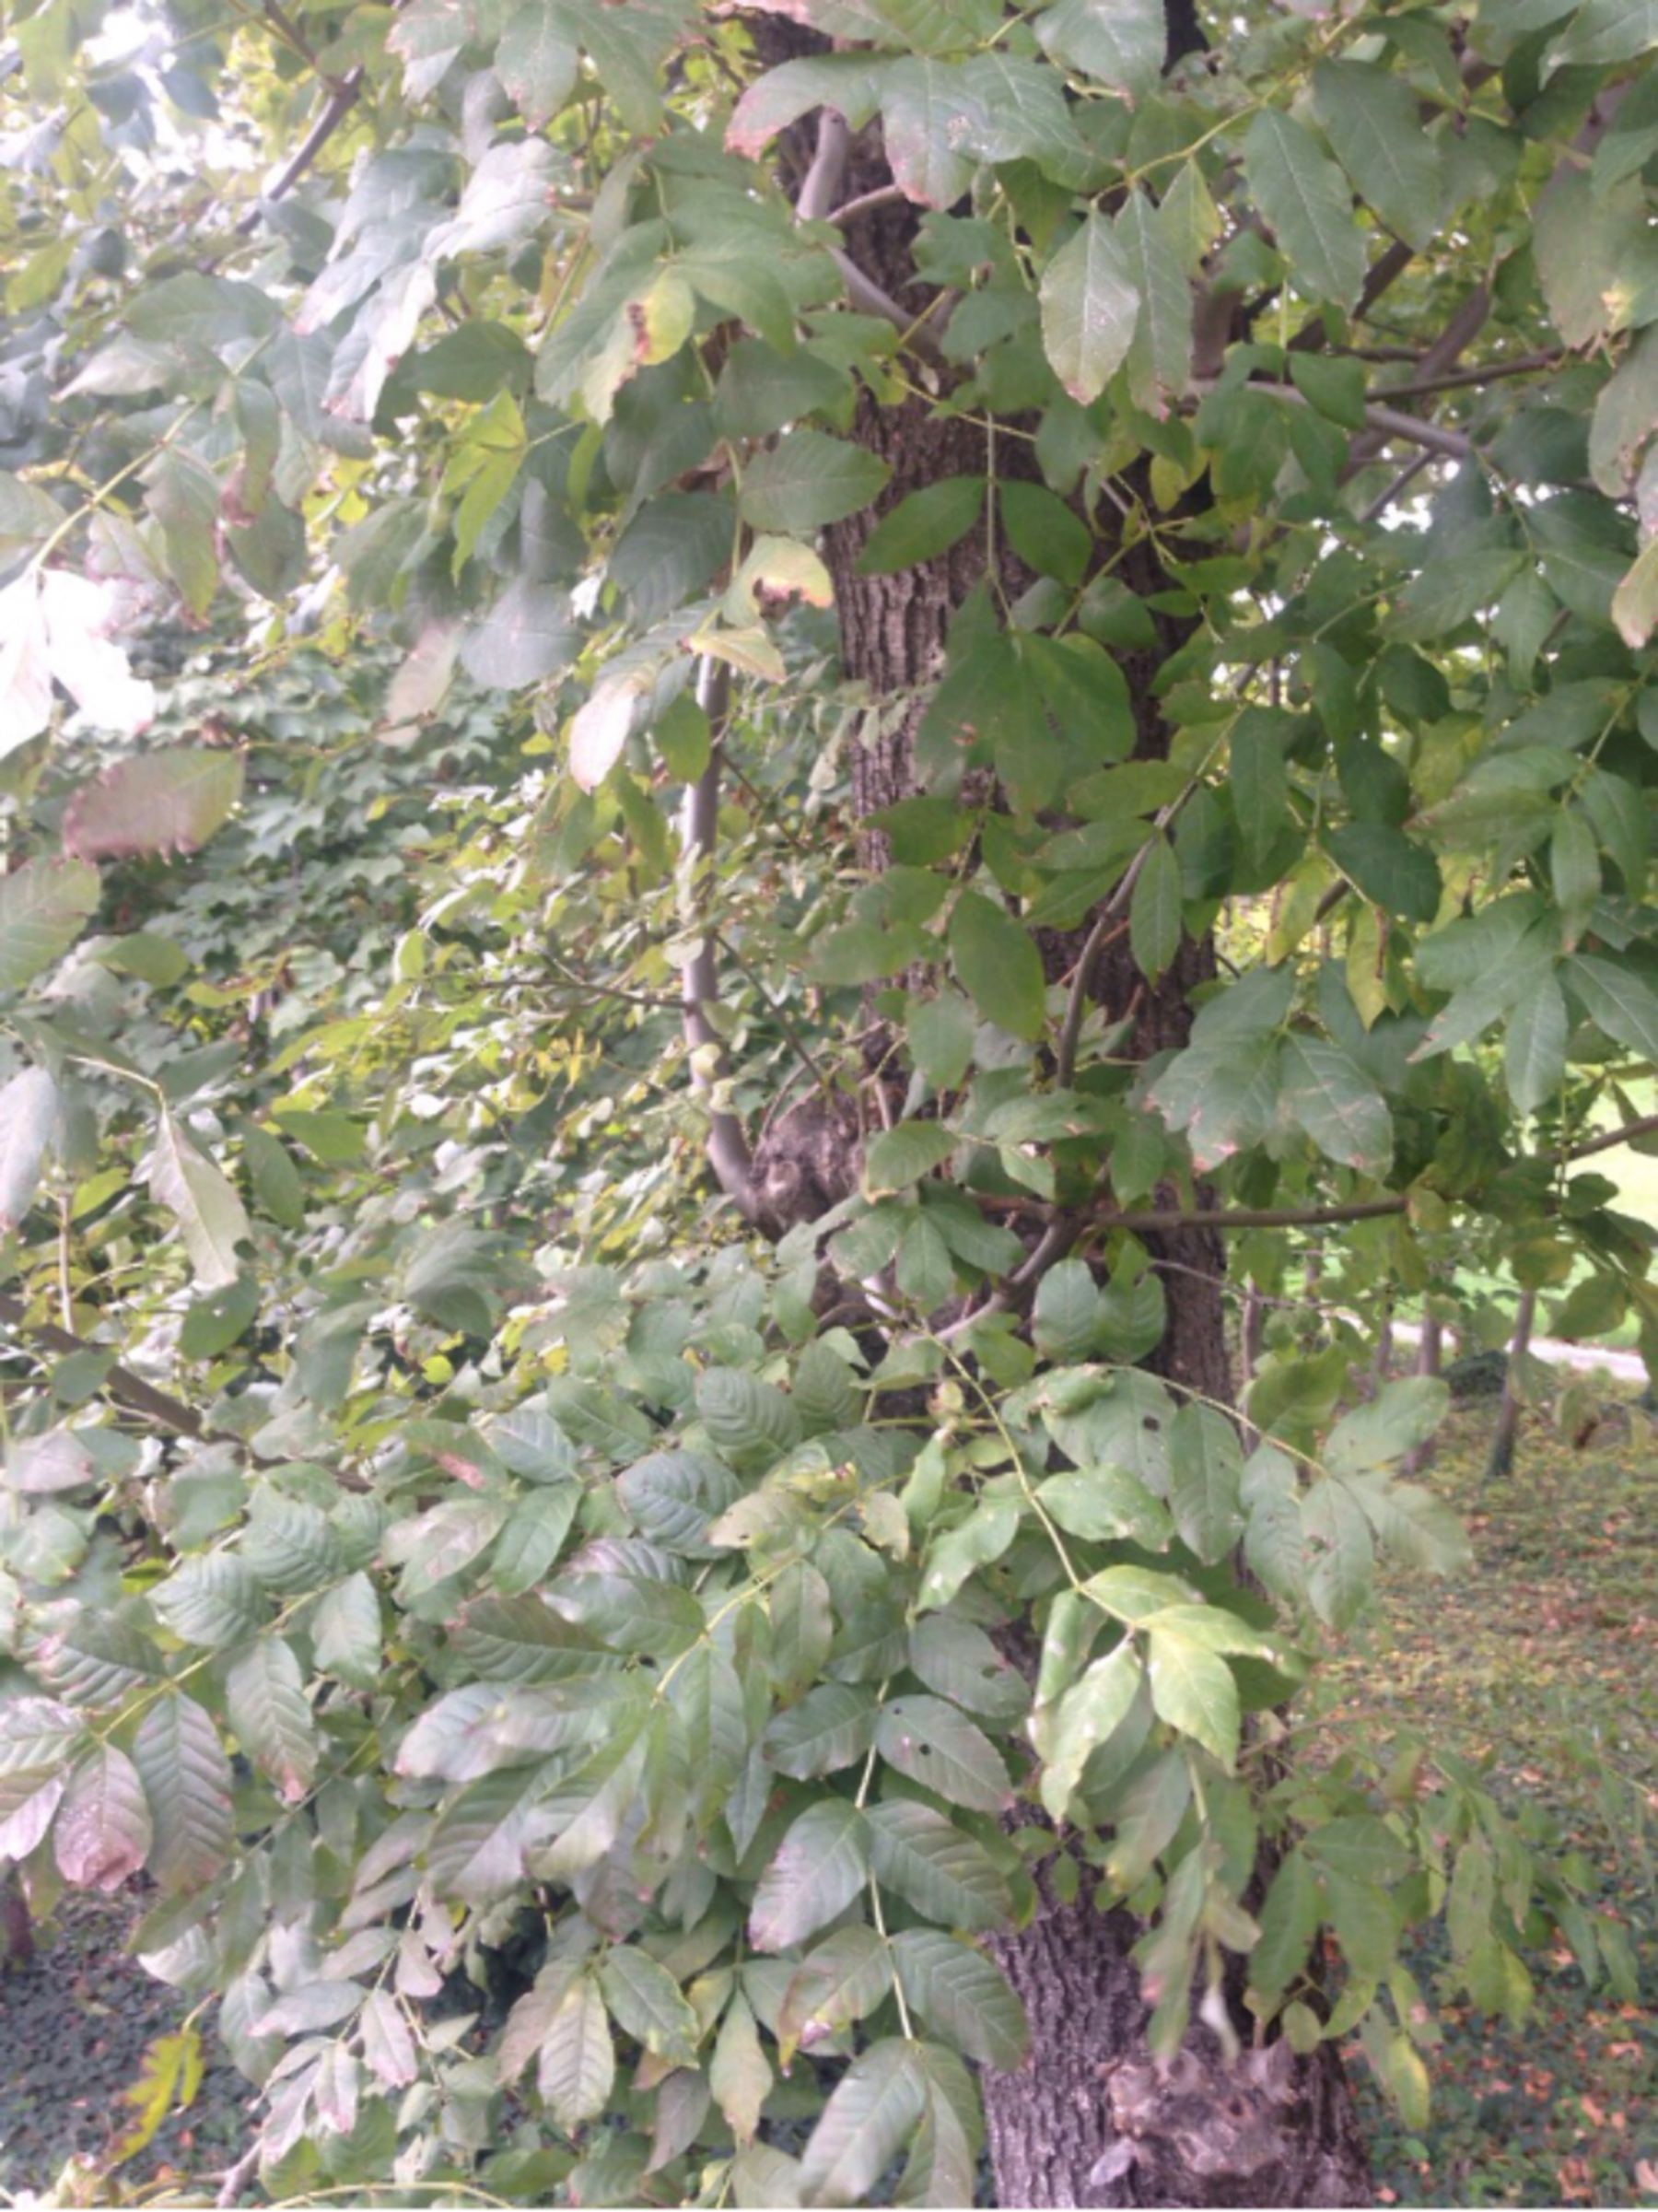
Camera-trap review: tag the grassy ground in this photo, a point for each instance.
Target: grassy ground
(1543, 1659)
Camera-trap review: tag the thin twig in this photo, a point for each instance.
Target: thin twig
(884, 195)
(1480, 372)
(341, 101)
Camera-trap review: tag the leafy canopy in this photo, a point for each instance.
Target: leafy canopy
(429, 1527)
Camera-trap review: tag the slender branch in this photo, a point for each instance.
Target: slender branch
(1229, 1218)
(884, 195)
(1401, 483)
(126, 1388)
(867, 296)
(341, 101)
(823, 181)
(1385, 271)
(1608, 1140)
(729, 1154)
(1479, 372)
(797, 1043)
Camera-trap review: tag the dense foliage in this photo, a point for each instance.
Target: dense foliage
(436, 1524)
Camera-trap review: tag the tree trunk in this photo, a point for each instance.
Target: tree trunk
(1058, 2132)
(1499, 1461)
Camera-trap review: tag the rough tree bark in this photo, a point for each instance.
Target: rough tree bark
(1060, 2129)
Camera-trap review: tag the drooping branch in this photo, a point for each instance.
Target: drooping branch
(341, 101)
(727, 1149)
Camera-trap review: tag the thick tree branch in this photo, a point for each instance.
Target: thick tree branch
(120, 1384)
(1608, 1140)
(729, 1154)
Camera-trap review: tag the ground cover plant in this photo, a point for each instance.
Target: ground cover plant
(740, 748)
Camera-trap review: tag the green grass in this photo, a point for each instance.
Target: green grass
(1541, 1660)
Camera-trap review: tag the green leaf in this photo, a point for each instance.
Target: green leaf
(750, 1422)
(982, 1537)
(265, 1697)
(167, 802)
(1402, 1415)
(871, 2116)
(210, 1216)
(1533, 1043)
(1205, 1470)
(1338, 1104)
(1065, 1316)
(1333, 388)
(1373, 119)
(961, 1663)
(43, 906)
(807, 480)
(1260, 789)
(905, 1153)
(1617, 1000)
(739, 2075)
(961, 1994)
(1195, 1691)
(939, 1033)
(577, 2063)
(1305, 198)
(213, 1600)
(832, 1726)
(645, 2000)
(1090, 307)
(1087, 1713)
(1119, 43)
(1106, 1502)
(919, 1853)
(1154, 921)
(997, 965)
(102, 1833)
(345, 1633)
(1046, 534)
(187, 1781)
(537, 63)
(923, 525)
(28, 1110)
(935, 1744)
(1288, 1919)
(842, 1980)
(1393, 871)
(817, 1870)
(1159, 354)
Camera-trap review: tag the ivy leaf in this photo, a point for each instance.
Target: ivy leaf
(1305, 199)
(819, 1867)
(1089, 305)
